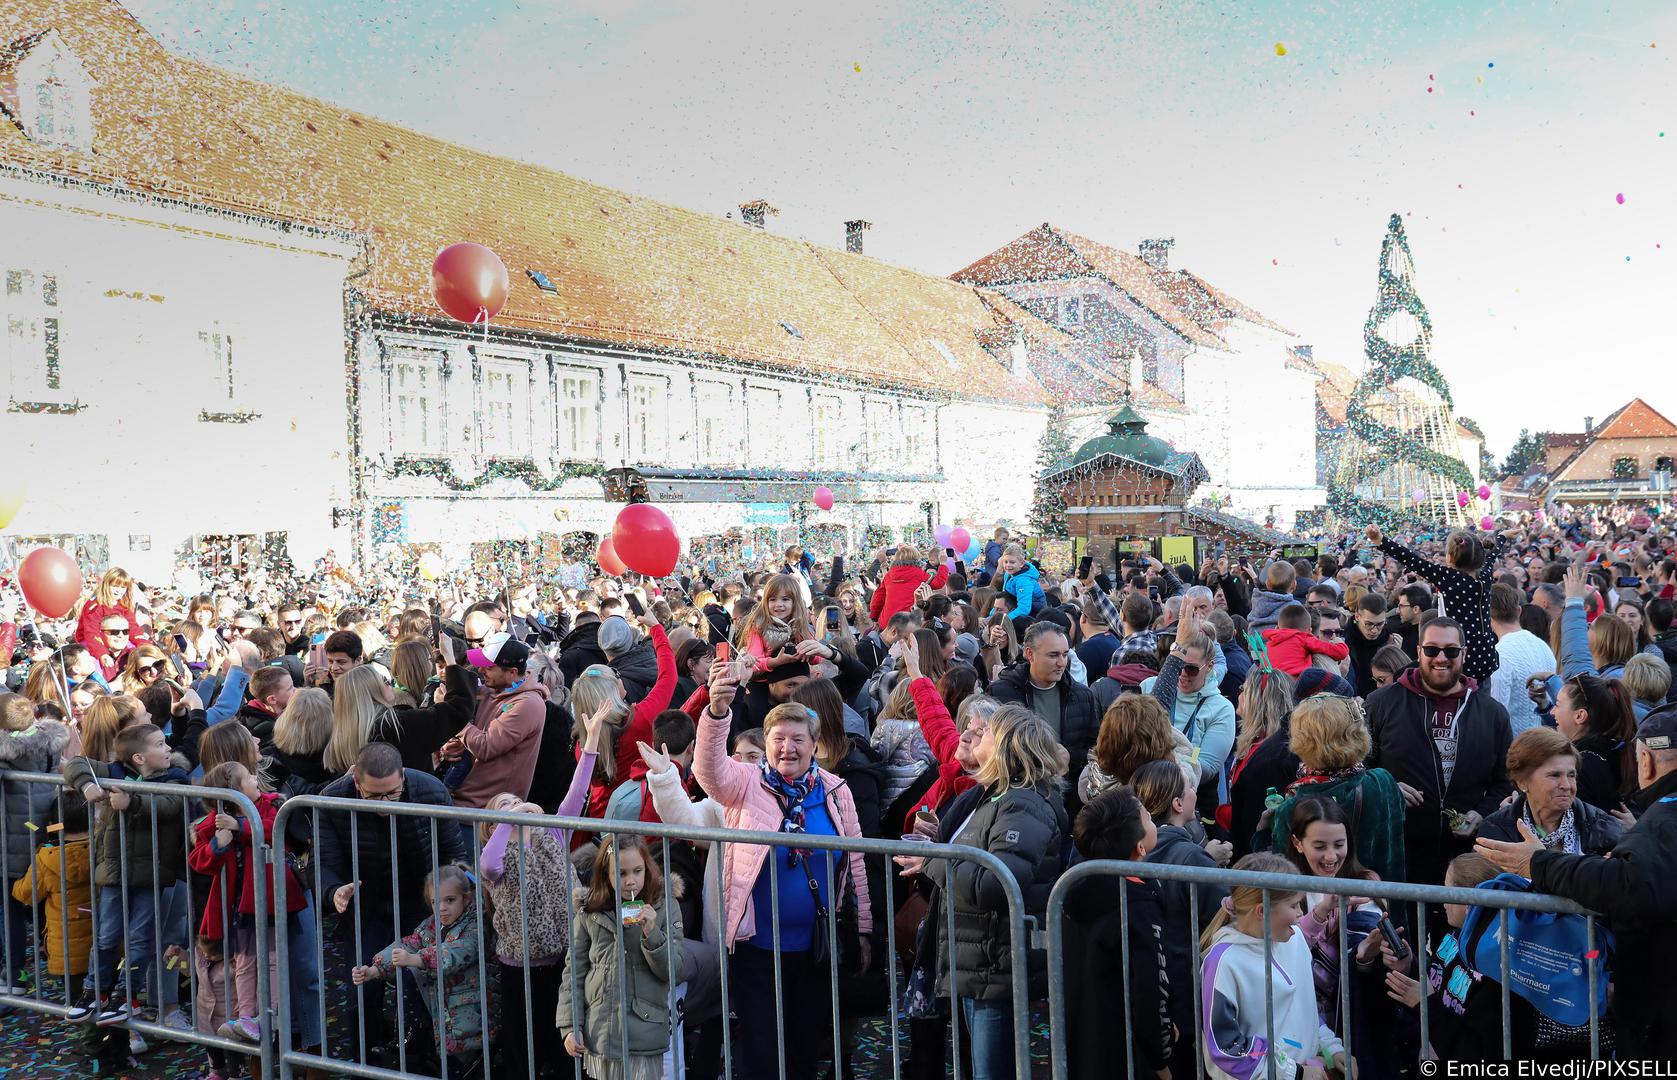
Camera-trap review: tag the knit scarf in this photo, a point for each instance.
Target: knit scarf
(1564, 838)
(1307, 775)
(775, 633)
(792, 794)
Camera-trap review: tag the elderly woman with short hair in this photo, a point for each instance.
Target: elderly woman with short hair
(787, 793)
(1331, 739)
(1543, 764)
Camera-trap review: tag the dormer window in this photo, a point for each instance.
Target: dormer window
(53, 100)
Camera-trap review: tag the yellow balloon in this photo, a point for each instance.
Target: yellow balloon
(11, 500)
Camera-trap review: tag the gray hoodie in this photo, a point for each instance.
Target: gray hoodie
(1266, 608)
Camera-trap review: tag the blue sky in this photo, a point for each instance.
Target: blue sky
(970, 123)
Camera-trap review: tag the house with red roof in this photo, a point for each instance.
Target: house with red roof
(1628, 457)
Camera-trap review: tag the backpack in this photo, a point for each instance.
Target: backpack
(1547, 955)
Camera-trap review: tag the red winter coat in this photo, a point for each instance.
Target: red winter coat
(206, 860)
(1291, 650)
(941, 736)
(90, 633)
(637, 730)
(896, 590)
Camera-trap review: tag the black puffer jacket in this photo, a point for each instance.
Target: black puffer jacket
(1079, 720)
(1598, 830)
(579, 649)
(638, 669)
(1024, 828)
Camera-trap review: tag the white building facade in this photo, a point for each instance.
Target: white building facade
(174, 377)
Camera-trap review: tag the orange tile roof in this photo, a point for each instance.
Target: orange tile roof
(631, 271)
(1185, 302)
(1636, 420)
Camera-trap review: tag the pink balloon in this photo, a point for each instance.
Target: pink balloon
(1488, 523)
(824, 497)
(1463, 498)
(51, 581)
(941, 535)
(959, 538)
(646, 540)
(469, 282)
(1485, 492)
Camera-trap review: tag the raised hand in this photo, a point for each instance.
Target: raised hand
(656, 761)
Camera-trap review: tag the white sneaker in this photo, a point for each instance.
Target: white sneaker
(177, 1020)
(137, 1045)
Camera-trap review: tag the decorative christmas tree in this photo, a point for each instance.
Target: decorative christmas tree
(1400, 464)
(1048, 508)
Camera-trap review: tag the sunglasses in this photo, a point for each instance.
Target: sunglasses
(117, 633)
(151, 669)
(1450, 651)
(1331, 634)
(472, 640)
(292, 622)
(1191, 670)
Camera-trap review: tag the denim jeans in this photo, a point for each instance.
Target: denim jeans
(301, 939)
(990, 1026)
(112, 929)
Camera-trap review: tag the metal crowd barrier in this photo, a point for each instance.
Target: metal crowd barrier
(160, 970)
(1395, 893)
(289, 1058)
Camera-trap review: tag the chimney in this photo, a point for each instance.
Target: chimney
(853, 231)
(1156, 252)
(756, 212)
(1589, 424)
(1307, 353)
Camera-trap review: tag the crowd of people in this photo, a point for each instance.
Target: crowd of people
(1444, 709)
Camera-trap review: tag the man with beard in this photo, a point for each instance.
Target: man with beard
(1447, 746)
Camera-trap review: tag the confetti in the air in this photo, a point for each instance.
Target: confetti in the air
(1280, 49)
(857, 67)
(1620, 198)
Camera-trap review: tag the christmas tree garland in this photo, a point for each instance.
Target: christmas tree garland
(1386, 446)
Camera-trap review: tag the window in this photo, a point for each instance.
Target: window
(765, 427)
(217, 348)
(917, 445)
(829, 441)
(543, 282)
(1071, 310)
(717, 422)
(577, 435)
(59, 119)
(1662, 464)
(943, 350)
(506, 408)
(33, 341)
(880, 420)
(1624, 468)
(416, 405)
(649, 419)
(1149, 348)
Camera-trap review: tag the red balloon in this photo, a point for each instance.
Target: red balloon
(824, 497)
(606, 556)
(51, 581)
(646, 540)
(469, 282)
(960, 539)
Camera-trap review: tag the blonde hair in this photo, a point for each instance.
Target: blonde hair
(357, 707)
(305, 725)
(372, 638)
(105, 720)
(1266, 697)
(1612, 642)
(1027, 752)
(1244, 899)
(900, 704)
(596, 687)
(758, 619)
(114, 588)
(131, 667)
(1646, 677)
(1329, 732)
(907, 555)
